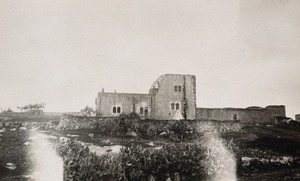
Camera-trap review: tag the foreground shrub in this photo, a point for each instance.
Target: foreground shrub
(107, 126)
(81, 164)
(174, 130)
(182, 131)
(128, 122)
(183, 160)
(133, 163)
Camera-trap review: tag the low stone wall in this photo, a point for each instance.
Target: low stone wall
(70, 122)
(246, 116)
(219, 126)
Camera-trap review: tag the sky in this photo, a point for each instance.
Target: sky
(62, 52)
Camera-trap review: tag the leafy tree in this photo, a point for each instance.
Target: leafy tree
(20, 108)
(87, 111)
(34, 108)
(5, 111)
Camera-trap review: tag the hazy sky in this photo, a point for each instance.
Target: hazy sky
(62, 52)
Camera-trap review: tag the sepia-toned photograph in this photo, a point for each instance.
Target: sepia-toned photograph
(149, 90)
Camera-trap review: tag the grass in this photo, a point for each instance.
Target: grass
(13, 150)
(265, 142)
(98, 138)
(253, 141)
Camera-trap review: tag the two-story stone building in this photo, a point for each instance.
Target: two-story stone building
(173, 96)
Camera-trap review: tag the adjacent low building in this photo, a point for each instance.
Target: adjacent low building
(173, 96)
(297, 117)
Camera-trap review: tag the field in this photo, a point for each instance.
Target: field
(273, 153)
(256, 152)
(14, 150)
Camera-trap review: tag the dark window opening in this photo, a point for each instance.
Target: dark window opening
(175, 88)
(114, 109)
(146, 112)
(172, 106)
(119, 110)
(141, 110)
(235, 117)
(179, 88)
(177, 106)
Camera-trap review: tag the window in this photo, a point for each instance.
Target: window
(172, 106)
(235, 117)
(146, 112)
(116, 110)
(141, 110)
(179, 88)
(177, 106)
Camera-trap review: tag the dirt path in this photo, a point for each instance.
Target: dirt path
(48, 165)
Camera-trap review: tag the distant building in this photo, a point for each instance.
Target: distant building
(173, 96)
(246, 115)
(297, 117)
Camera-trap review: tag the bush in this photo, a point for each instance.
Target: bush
(128, 122)
(133, 163)
(118, 126)
(181, 159)
(181, 131)
(145, 130)
(107, 126)
(81, 164)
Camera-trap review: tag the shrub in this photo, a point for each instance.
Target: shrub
(133, 163)
(144, 130)
(128, 122)
(173, 159)
(81, 164)
(183, 131)
(107, 126)
(118, 126)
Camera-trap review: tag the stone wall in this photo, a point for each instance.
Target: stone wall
(247, 115)
(128, 102)
(297, 117)
(71, 122)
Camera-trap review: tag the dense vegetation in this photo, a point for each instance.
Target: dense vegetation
(174, 130)
(182, 160)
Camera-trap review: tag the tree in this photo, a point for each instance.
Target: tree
(34, 108)
(6, 111)
(87, 111)
(20, 108)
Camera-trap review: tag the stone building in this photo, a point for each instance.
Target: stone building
(246, 115)
(173, 96)
(297, 117)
